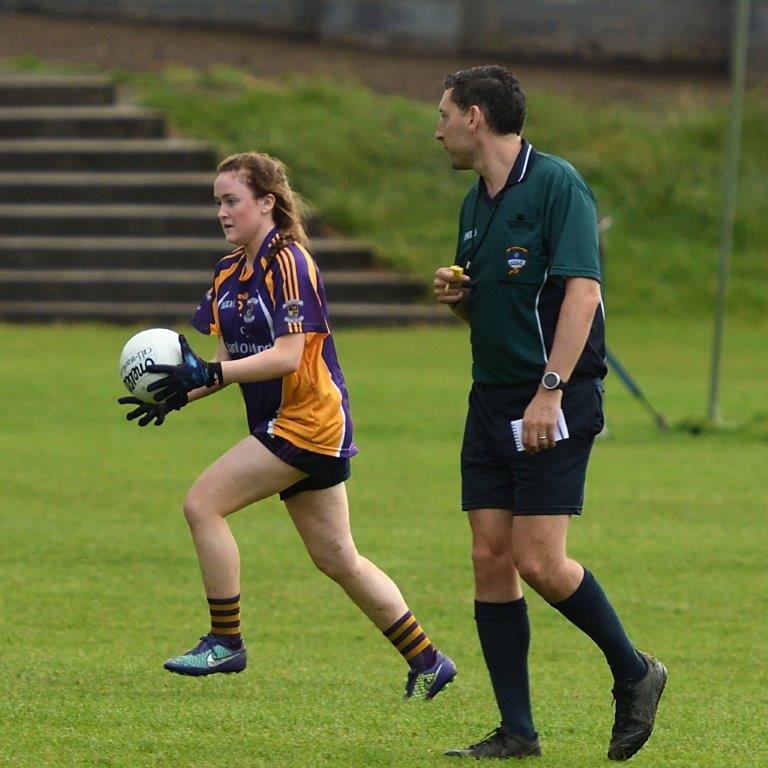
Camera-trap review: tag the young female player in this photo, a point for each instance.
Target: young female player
(267, 307)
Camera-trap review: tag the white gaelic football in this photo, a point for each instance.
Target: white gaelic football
(157, 345)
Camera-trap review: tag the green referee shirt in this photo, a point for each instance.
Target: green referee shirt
(518, 248)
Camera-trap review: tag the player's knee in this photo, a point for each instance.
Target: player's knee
(491, 557)
(196, 510)
(192, 510)
(538, 572)
(337, 564)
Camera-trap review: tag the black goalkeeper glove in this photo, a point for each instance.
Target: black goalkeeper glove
(193, 373)
(157, 411)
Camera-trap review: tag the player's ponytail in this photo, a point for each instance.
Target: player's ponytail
(266, 175)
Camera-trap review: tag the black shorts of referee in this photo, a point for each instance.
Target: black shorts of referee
(496, 475)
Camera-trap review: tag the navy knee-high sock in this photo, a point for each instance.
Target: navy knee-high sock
(505, 635)
(589, 609)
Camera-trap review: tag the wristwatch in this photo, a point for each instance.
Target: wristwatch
(551, 380)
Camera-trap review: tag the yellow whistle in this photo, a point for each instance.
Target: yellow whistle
(457, 272)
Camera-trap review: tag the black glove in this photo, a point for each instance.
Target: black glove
(157, 411)
(194, 372)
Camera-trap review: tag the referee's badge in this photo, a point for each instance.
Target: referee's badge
(517, 256)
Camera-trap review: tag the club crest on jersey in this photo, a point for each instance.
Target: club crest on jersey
(517, 256)
(292, 309)
(250, 306)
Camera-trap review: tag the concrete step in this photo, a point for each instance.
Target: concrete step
(112, 155)
(114, 220)
(103, 219)
(164, 285)
(109, 220)
(342, 314)
(33, 90)
(152, 253)
(179, 188)
(113, 122)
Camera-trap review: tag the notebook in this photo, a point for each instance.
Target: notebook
(561, 430)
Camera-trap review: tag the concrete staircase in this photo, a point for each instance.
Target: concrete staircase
(103, 217)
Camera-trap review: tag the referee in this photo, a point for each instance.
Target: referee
(527, 281)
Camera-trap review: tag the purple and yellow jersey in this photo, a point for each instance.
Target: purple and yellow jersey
(249, 309)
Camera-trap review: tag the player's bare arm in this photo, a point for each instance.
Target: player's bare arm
(274, 363)
(279, 360)
(582, 298)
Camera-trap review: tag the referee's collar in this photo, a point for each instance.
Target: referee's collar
(519, 173)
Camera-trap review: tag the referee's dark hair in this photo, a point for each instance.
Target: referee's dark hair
(495, 90)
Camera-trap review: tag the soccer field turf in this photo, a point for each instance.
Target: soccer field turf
(100, 583)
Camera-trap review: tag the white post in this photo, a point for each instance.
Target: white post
(738, 72)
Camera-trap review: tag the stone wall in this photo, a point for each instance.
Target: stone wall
(687, 32)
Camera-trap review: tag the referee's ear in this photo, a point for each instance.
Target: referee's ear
(476, 117)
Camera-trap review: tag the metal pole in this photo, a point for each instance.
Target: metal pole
(738, 73)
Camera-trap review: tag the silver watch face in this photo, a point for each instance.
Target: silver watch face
(550, 380)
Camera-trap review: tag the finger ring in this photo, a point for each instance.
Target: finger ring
(543, 437)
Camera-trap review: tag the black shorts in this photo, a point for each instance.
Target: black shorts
(323, 471)
(495, 475)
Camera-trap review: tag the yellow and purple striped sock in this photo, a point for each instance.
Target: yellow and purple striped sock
(225, 619)
(412, 642)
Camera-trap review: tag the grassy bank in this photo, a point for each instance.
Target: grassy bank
(370, 166)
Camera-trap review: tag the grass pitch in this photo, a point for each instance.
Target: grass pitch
(100, 582)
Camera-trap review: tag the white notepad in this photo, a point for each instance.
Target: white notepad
(561, 431)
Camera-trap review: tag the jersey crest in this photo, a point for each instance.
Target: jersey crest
(517, 256)
(292, 309)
